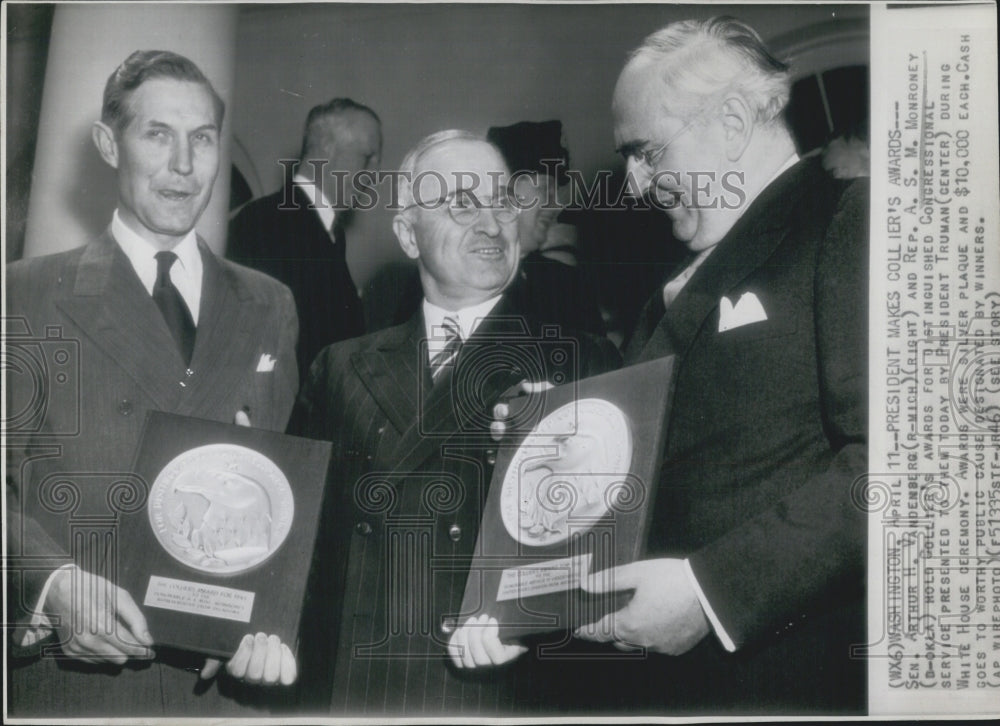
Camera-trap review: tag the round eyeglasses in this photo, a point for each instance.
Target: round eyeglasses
(465, 208)
(651, 158)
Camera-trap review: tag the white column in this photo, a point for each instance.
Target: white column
(73, 192)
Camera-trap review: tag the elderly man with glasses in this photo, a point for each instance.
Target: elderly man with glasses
(751, 596)
(408, 410)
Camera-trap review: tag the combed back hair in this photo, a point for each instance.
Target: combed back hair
(322, 124)
(409, 164)
(702, 61)
(146, 65)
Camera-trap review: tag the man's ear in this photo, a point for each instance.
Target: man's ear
(407, 238)
(738, 126)
(104, 140)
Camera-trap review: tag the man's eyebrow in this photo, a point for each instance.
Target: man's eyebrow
(153, 123)
(630, 147)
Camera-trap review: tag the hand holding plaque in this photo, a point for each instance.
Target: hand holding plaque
(571, 495)
(220, 545)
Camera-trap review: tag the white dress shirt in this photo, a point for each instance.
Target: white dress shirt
(319, 202)
(185, 273)
(468, 320)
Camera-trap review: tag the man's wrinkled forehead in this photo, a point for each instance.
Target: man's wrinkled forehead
(464, 165)
(640, 99)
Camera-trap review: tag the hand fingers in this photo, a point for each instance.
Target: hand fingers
(237, 665)
(289, 668)
(475, 654)
(457, 646)
(272, 662)
(242, 418)
(623, 577)
(498, 652)
(535, 386)
(600, 632)
(210, 669)
(258, 656)
(497, 430)
(130, 614)
(92, 648)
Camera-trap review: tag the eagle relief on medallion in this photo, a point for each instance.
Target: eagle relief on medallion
(221, 508)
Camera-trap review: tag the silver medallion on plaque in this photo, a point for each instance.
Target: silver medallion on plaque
(567, 473)
(221, 508)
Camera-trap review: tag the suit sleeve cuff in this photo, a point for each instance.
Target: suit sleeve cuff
(720, 632)
(40, 627)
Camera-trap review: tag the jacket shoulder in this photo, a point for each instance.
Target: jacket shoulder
(259, 284)
(34, 276)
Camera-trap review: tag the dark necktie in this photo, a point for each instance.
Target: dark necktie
(171, 304)
(444, 357)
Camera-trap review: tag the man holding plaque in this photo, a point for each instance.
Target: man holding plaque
(408, 410)
(752, 594)
(144, 318)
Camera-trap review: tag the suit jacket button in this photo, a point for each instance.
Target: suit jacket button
(491, 457)
(125, 407)
(455, 532)
(363, 528)
(448, 625)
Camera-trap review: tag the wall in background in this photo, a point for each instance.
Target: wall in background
(428, 67)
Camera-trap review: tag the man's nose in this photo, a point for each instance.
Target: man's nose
(638, 177)
(181, 161)
(487, 222)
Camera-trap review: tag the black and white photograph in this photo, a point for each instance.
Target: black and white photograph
(483, 361)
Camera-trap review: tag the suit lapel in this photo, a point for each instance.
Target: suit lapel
(451, 406)
(111, 306)
(390, 370)
(751, 241)
(226, 340)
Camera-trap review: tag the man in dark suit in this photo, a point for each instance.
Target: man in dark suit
(408, 410)
(752, 595)
(297, 234)
(144, 318)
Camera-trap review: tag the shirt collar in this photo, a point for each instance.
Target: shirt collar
(468, 318)
(141, 253)
(319, 201)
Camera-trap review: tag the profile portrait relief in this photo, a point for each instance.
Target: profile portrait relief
(567, 473)
(221, 508)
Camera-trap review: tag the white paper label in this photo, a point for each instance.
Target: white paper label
(199, 599)
(543, 577)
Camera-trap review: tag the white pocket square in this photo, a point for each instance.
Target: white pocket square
(266, 363)
(746, 310)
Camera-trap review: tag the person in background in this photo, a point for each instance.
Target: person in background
(298, 235)
(551, 282)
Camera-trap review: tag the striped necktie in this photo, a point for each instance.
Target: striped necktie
(446, 356)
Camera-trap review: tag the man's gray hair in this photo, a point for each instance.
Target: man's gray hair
(326, 121)
(404, 180)
(701, 61)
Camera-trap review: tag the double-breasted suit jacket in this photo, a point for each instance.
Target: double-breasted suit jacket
(94, 355)
(766, 448)
(281, 236)
(411, 465)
